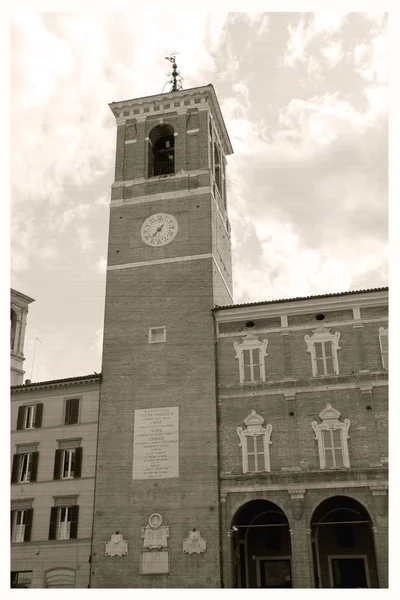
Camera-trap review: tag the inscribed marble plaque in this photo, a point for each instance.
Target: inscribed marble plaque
(156, 443)
(153, 563)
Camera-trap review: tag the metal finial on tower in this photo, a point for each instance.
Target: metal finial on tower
(176, 79)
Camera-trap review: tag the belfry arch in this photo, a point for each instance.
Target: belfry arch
(343, 545)
(161, 157)
(261, 546)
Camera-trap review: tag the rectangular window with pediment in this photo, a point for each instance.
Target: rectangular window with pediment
(254, 442)
(251, 355)
(255, 453)
(332, 435)
(333, 447)
(323, 347)
(384, 345)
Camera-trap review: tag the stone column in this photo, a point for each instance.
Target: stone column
(301, 556)
(226, 544)
(380, 533)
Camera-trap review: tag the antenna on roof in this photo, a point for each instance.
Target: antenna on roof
(176, 79)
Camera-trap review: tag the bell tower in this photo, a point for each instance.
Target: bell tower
(19, 312)
(169, 263)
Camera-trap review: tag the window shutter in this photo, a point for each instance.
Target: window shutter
(78, 462)
(20, 419)
(34, 466)
(12, 522)
(74, 522)
(72, 411)
(38, 415)
(75, 410)
(28, 524)
(57, 465)
(53, 523)
(15, 467)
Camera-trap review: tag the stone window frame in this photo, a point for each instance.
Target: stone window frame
(152, 331)
(320, 335)
(25, 463)
(70, 507)
(330, 422)
(384, 333)
(36, 416)
(66, 448)
(21, 510)
(67, 413)
(251, 342)
(254, 428)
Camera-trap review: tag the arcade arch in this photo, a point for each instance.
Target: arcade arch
(261, 546)
(343, 545)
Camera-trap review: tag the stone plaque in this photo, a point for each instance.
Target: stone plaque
(153, 563)
(156, 443)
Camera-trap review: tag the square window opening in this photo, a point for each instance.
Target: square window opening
(157, 335)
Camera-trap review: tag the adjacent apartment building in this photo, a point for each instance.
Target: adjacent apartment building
(238, 446)
(53, 452)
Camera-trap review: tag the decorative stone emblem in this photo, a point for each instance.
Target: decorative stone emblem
(117, 545)
(297, 503)
(155, 535)
(194, 543)
(155, 520)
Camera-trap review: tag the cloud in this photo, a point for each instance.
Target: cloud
(84, 238)
(315, 190)
(371, 59)
(307, 29)
(102, 264)
(333, 53)
(103, 200)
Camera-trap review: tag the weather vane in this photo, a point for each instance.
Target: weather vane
(176, 79)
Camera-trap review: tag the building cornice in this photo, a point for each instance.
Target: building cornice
(15, 296)
(57, 383)
(302, 305)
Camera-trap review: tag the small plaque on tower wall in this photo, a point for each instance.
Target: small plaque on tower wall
(154, 563)
(156, 443)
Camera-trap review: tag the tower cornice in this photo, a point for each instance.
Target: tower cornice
(162, 104)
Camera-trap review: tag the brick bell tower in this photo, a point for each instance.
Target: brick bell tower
(169, 263)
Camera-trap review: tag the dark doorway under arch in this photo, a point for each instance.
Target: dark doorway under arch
(261, 546)
(343, 545)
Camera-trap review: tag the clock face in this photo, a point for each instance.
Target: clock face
(159, 229)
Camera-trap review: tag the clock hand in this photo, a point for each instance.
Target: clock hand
(158, 229)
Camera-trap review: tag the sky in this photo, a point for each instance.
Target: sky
(305, 101)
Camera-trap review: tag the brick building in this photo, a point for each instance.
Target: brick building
(238, 445)
(302, 400)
